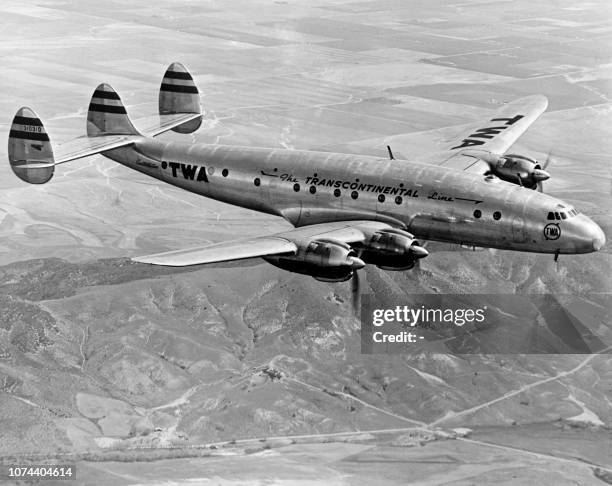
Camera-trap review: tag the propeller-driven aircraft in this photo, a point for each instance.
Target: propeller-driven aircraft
(347, 210)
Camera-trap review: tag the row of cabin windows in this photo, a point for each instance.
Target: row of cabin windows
(337, 192)
(496, 214)
(557, 215)
(381, 198)
(398, 199)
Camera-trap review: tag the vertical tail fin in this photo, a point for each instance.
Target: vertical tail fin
(107, 115)
(179, 94)
(29, 149)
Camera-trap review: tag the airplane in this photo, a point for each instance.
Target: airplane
(346, 210)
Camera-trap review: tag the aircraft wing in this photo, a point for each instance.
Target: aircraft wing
(278, 244)
(495, 136)
(222, 252)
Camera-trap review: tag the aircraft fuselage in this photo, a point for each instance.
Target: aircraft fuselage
(432, 202)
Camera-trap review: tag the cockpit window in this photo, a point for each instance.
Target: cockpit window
(554, 215)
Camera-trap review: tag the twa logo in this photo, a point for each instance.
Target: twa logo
(552, 231)
(488, 132)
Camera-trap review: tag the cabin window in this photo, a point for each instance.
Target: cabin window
(224, 172)
(257, 182)
(477, 213)
(496, 215)
(296, 187)
(312, 189)
(398, 200)
(337, 192)
(381, 198)
(354, 194)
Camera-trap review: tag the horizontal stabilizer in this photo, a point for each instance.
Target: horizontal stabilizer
(221, 252)
(86, 146)
(153, 125)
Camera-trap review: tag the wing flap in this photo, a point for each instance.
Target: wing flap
(221, 252)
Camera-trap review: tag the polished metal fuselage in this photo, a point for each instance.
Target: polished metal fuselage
(430, 201)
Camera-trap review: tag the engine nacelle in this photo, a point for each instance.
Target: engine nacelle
(329, 261)
(519, 169)
(392, 249)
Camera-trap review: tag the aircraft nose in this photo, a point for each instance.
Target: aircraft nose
(584, 235)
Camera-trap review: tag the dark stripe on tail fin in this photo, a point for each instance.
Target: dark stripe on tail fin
(41, 137)
(23, 120)
(177, 88)
(106, 95)
(29, 149)
(172, 74)
(107, 115)
(107, 108)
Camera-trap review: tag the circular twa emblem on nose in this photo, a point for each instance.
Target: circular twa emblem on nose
(552, 231)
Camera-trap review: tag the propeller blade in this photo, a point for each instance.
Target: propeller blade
(355, 292)
(541, 175)
(548, 160)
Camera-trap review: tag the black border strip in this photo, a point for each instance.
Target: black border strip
(25, 120)
(106, 95)
(41, 137)
(120, 110)
(179, 88)
(177, 75)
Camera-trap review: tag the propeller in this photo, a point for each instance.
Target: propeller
(356, 284)
(540, 175)
(355, 292)
(420, 252)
